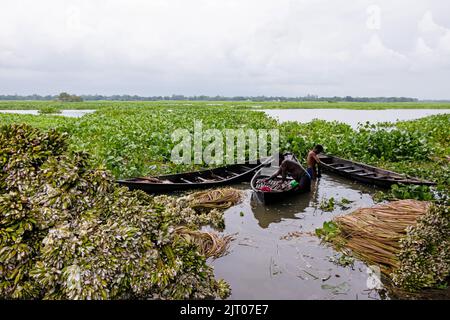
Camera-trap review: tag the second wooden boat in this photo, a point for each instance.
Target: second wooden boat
(367, 174)
(197, 180)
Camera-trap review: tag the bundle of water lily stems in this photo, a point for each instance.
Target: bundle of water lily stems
(218, 198)
(409, 240)
(210, 244)
(374, 233)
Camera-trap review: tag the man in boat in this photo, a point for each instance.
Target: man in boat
(295, 170)
(313, 162)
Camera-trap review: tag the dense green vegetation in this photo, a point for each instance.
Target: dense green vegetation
(133, 139)
(418, 148)
(424, 252)
(137, 141)
(34, 105)
(67, 231)
(49, 110)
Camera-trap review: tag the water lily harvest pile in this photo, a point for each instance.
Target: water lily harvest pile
(408, 239)
(67, 231)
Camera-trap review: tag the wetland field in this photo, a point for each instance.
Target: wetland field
(60, 206)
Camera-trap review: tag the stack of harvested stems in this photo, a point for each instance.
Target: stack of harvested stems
(374, 233)
(215, 199)
(210, 244)
(409, 240)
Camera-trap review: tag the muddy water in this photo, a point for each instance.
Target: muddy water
(265, 263)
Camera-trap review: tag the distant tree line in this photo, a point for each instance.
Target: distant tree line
(73, 98)
(63, 97)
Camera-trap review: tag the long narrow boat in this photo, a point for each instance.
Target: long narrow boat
(196, 180)
(272, 196)
(367, 174)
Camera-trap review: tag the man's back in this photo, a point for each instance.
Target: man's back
(293, 168)
(312, 159)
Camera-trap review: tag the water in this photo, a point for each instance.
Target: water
(265, 263)
(352, 117)
(65, 113)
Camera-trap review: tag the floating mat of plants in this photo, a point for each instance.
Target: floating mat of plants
(409, 240)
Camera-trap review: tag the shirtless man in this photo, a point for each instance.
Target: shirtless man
(289, 167)
(313, 161)
(295, 170)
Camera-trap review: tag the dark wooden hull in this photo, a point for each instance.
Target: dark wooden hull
(367, 174)
(196, 180)
(273, 196)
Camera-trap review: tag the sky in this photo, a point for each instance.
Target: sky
(226, 47)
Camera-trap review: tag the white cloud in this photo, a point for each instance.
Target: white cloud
(427, 24)
(376, 49)
(432, 50)
(272, 47)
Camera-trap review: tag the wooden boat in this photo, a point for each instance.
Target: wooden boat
(367, 174)
(268, 197)
(196, 180)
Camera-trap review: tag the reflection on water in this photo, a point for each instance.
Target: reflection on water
(270, 214)
(265, 264)
(276, 256)
(290, 208)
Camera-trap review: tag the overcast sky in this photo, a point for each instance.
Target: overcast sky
(226, 47)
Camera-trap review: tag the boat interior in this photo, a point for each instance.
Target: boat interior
(361, 170)
(205, 176)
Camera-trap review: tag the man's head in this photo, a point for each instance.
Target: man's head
(318, 149)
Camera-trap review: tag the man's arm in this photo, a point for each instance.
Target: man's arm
(283, 173)
(316, 157)
(275, 174)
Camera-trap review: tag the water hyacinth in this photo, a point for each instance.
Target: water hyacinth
(67, 231)
(425, 251)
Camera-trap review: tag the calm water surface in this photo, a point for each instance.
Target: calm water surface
(65, 113)
(352, 117)
(265, 263)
